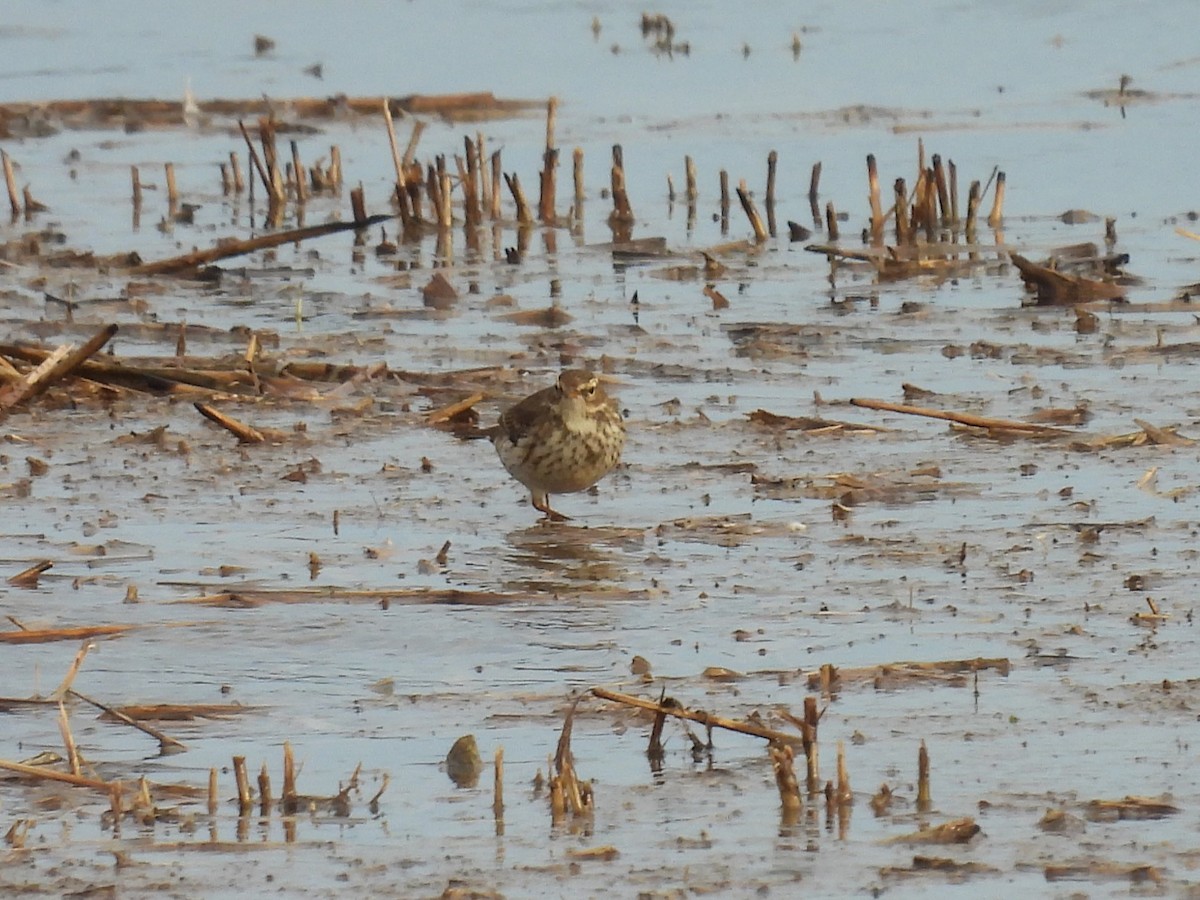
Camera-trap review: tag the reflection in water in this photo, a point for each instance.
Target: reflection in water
(575, 554)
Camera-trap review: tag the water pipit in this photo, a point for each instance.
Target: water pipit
(560, 440)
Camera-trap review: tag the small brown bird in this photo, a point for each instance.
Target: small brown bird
(560, 440)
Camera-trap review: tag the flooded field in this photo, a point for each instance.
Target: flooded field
(871, 474)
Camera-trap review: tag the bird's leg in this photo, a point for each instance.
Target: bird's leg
(541, 502)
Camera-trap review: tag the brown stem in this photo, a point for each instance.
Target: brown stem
(772, 163)
(700, 716)
(901, 212)
(876, 202)
(524, 216)
(498, 180)
(577, 161)
(164, 740)
(243, 785)
(394, 144)
(235, 166)
(961, 418)
(923, 798)
(996, 216)
(549, 165)
(258, 166)
(724, 202)
(943, 190)
(814, 192)
(244, 433)
(46, 375)
(10, 180)
(760, 232)
(831, 226)
(172, 192)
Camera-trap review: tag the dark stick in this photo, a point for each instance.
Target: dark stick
(876, 203)
(772, 162)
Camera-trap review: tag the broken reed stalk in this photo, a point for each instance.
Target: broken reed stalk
(335, 166)
(484, 185)
(902, 231)
(782, 763)
(831, 226)
(844, 794)
(243, 785)
(549, 165)
(172, 191)
(72, 670)
(498, 180)
(358, 207)
(973, 199)
(996, 216)
(44, 774)
(760, 231)
(524, 216)
(952, 169)
(772, 162)
(116, 803)
(244, 433)
(258, 166)
(397, 160)
(29, 577)
(558, 804)
(433, 190)
(136, 179)
(467, 183)
(235, 169)
(196, 258)
(654, 749)
(298, 169)
(446, 210)
(577, 172)
(410, 149)
(498, 788)
(289, 797)
(924, 801)
(471, 183)
(812, 718)
(576, 796)
(689, 174)
(64, 726)
(32, 206)
(264, 791)
(275, 190)
(213, 802)
(622, 211)
(814, 193)
(704, 718)
(10, 181)
(929, 199)
(876, 202)
(724, 201)
(164, 740)
(55, 368)
(961, 418)
(943, 189)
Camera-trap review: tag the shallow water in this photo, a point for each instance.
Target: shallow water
(1084, 713)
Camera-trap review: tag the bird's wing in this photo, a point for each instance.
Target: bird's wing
(519, 418)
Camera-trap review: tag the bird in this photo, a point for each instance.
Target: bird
(561, 439)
